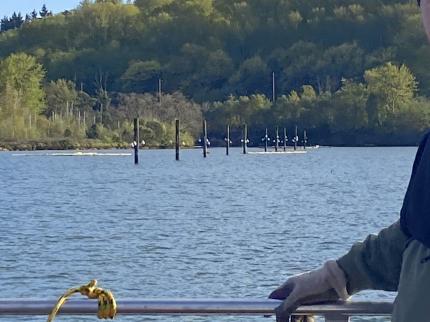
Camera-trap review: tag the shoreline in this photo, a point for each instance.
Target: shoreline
(60, 145)
(28, 147)
(68, 145)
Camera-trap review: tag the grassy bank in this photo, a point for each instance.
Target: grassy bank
(60, 144)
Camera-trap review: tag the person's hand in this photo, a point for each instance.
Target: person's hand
(325, 284)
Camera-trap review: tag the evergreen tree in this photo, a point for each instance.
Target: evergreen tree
(16, 21)
(4, 24)
(11, 23)
(44, 12)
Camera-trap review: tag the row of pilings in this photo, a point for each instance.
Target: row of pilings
(279, 143)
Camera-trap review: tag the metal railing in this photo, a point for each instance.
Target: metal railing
(337, 312)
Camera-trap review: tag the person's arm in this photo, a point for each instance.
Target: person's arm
(372, 264)
(376, 262)
(425, 13)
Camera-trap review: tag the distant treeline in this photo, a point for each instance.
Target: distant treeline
(349, 72)
(16, 20)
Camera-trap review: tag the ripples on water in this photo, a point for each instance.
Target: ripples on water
(222, 227)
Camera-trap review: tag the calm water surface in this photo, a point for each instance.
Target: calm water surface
(222, 227)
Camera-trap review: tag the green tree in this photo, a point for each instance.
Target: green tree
(253, 76)
(23, 96)
(61, 97)
(391, 87)
(44, 12)
(141, 76)
(349, 108)
(149, 7)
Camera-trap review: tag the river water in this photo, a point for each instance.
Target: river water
(221, 227)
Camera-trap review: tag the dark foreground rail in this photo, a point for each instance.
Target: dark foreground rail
(339, 312)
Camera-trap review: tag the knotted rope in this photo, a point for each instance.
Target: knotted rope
(106, 307)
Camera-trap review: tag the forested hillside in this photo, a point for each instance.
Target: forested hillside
(350, 72)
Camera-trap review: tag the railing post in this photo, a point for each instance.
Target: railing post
(336, 318)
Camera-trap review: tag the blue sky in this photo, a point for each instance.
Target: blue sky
(7, 7)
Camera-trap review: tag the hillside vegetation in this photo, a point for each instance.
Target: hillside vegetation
(350, 72)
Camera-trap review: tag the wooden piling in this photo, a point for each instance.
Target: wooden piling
(273, 88)
(296, 139)
(205, 139)
(136, 141)
(245, 139)
(227, 146)
(285, 139)
(159, 90)
(266, 139)
(305, 139)
(277, 140)
(177, 140)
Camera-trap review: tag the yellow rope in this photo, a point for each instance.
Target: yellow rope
(107, 303)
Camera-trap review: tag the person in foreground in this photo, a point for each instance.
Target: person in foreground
(397, 259)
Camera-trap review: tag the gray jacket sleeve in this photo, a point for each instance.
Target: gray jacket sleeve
(376, 262)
